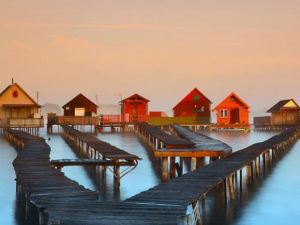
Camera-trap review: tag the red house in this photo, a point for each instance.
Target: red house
(135, 108)
(195, 104)
(232, 112)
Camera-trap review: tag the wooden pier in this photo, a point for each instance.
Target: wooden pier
(227, 173)
(48, 197)
(91, 147)
(188, 144)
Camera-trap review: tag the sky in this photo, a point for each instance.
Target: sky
(160, 49)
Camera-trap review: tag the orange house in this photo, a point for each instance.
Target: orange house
(135, 108)
(232, 112)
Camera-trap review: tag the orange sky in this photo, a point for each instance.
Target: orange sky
(159, 48)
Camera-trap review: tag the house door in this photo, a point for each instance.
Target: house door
(235, 116)
(79, 111)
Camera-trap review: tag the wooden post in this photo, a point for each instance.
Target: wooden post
(200, 162)
(257, 166)
(193, 163)
(117, 177)
(225, 190)
(250, 173)
(241, 182)
(231, 187)
(172, 167)
(164, 175)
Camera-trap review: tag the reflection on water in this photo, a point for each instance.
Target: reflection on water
(277, 201)
(280, 188)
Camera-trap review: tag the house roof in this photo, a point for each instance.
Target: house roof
(135, 96)
(279, 105)
(194, 90)
(232, 94)
(79, 96)
(21, 89)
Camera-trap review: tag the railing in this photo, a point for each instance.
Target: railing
(179, 120)
(121, 119)
(77, 120)
(192, 217)
(262, 121)
(22, 123)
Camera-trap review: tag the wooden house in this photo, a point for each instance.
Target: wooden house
(134, 108)
(285, 113)
(232, 112)
(80, 106)
(195, 104)
(18, 109)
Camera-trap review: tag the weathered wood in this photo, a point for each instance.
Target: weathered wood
(59, 200)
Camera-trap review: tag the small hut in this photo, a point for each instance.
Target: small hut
(232, 112)
(18, 109)
(194, 104)
(80, 106)
(285, 113)
(135, 108)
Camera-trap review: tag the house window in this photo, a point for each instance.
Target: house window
(224, 113)
(15, 94)
(202, 108)
(196, 98)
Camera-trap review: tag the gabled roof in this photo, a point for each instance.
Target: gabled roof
(281, 104)
(232, 94)
(194, 90)
(135, 96)
(21, 89)
(79, 96)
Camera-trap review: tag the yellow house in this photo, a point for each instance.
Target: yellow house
(18, 109)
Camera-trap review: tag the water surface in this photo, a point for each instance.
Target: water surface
(280, 188)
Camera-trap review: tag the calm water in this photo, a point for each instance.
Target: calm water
(280, 188)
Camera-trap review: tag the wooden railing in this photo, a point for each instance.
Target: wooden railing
(122, 119)
(22, 123)
(163, 121)
(73, 120)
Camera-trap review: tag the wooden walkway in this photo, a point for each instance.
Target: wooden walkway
(104, 149)
(51, 198)
(60, 163)
(208, 146)
(161, 139)
(91, 147)
(188, 145)
(195, 185)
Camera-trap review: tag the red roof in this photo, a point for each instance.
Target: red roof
(135, 97)
(236, 97)
(195, 90)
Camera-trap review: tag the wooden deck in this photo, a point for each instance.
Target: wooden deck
(162, 139)
(106, 150)
(208, 146)
(189, 145)
(51, 198)
(88, 162)
(195, 185)
(90, 147)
